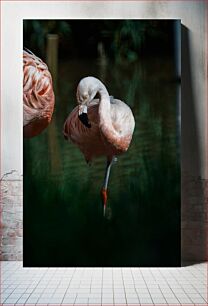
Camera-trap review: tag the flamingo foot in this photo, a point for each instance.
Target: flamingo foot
(104, 196)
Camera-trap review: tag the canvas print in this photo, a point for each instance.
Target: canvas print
(101, 127)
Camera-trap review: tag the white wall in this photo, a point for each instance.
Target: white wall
(192, 15)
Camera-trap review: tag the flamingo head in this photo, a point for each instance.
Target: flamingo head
(86, 91)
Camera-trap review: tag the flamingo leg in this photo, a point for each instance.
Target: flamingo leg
(104, 189)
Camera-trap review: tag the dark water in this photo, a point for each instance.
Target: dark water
(63, 221)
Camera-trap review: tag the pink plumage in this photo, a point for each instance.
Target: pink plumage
(38, 95)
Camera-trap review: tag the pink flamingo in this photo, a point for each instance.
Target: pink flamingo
(99, 127)
(38, 95)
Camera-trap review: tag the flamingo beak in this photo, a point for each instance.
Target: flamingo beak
(104, 198)
(83, 116)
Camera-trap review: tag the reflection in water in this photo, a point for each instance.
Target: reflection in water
(62, 207)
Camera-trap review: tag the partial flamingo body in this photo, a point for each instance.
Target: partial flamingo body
(99, 127)
(38, 95)
(91, 141)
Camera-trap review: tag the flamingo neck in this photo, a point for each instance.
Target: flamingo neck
(106, 124)
(104, 106)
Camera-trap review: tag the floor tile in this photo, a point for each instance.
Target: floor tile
(119, 286)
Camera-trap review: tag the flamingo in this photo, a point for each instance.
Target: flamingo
(38, 95)
(99, 127)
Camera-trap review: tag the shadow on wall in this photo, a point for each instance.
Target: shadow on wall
(193, 188)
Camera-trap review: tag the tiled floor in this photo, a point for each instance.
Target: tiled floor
(103, 286)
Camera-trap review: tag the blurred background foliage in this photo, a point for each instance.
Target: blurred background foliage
(35, 33)
(121, 40)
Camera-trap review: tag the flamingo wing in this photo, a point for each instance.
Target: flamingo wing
(119, 137)
(38, 95)
(122, 117)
